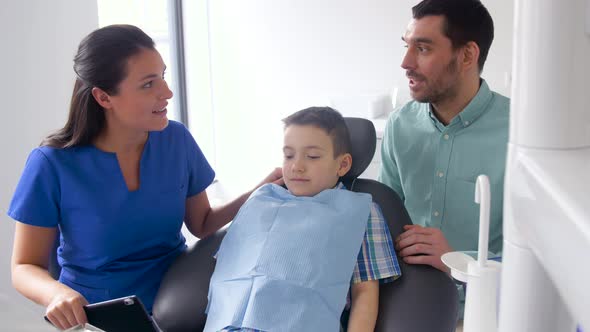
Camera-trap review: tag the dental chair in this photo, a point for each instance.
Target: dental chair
(424, 299)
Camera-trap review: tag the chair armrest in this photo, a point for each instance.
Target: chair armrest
(182, 298)
(424, 299)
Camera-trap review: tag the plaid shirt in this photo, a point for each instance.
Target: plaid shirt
(376, 259)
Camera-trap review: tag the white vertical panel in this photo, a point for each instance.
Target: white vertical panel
(39, 40)
(550, 97)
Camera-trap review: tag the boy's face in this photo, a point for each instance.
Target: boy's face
(309, 165)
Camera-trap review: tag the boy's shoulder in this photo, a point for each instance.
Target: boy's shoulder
(339, 192)
(341, 186)
(375, 209)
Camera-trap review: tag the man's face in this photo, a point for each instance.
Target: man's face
(431, 64)
(309, 165)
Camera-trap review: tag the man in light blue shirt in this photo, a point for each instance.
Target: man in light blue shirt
(456, 129)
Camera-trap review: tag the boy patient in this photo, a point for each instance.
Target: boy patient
(293, 259)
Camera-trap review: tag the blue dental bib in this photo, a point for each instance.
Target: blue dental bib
(286, 262)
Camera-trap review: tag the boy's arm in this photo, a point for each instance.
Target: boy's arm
(376, 263)
(364, 306)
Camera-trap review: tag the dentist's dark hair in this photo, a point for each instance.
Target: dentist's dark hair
(465, 21)
(101, 62)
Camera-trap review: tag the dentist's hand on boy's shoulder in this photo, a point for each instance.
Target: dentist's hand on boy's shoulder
(423, 245)
(276, 177)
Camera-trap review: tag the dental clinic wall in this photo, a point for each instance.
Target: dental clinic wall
(271, 58)
(39, 39)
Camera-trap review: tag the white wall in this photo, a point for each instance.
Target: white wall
(39, 40)
(271, 58)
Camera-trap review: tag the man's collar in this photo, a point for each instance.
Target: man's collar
(471, 112)
(476, 106)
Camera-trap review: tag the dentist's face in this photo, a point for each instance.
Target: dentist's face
(430, 62)
(141, 98)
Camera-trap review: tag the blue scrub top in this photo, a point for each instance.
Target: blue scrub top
(114, 242)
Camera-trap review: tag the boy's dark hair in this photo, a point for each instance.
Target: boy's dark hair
(465, 21)
(328, 119)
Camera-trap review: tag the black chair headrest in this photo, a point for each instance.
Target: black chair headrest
(363, 139)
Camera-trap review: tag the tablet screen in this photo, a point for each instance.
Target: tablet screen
(120, 315)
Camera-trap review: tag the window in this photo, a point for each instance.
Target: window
(163, 21)
(154, 19)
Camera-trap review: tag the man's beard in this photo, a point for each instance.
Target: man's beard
(444, 88)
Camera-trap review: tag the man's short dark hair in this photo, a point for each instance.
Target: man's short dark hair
(465, 21)
(328, 119)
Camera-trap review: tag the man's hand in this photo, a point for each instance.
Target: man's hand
(423, 245)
